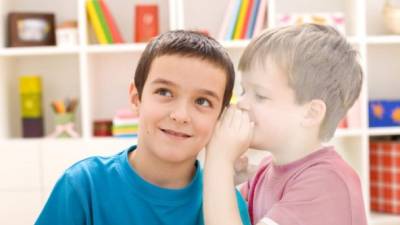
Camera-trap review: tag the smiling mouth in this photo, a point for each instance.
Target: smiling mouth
(175, 133)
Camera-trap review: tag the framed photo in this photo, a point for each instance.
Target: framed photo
(31, 29)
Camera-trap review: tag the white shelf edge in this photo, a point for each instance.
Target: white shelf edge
(383, 39)
(234, 43)
(384, 219)
(117, 48)
(42, 50)
(348, 132)
(384, 131)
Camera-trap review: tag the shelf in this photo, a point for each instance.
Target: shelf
(117, 48)
(384, 219)
(382, 131)
(42, 50)
(383, 39)
(348, 132)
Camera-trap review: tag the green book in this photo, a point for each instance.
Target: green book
(103, 22)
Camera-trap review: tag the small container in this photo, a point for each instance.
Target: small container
(67, 34)
(65, 126)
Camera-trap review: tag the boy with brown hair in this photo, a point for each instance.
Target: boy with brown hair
(298, 83)
(182, 83)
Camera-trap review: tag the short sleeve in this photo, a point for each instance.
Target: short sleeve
(313, 198)
(244, 213)
(64, 205)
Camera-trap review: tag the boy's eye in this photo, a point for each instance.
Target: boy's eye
(163, 92)
(260, 97)
(203, 102)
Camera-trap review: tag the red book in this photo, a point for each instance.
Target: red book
(115, 34)
(146, 22)
(247, 20)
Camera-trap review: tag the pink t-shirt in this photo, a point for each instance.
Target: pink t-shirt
(319, 189)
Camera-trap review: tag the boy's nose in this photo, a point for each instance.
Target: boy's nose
(180, 114)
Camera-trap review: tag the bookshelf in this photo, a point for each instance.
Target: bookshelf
(99, 76)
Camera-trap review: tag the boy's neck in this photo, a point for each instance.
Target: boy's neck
(296, 150)
(160, 173)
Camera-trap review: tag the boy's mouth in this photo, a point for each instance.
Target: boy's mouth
(176, 133)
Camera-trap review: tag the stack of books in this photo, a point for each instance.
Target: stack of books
(125, 124)
(244, 19)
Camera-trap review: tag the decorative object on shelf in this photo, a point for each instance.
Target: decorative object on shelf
(30, 88)
(146, 22)
(64, 118)
(67, 33)
(102, 128)
(103, 22)
(384, 158)
(391, 15)
(30, 29)
(244, 19)
(125, 124)
(334, 19)
(384, 113)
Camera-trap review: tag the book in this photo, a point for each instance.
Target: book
(95, 22)
(253, 18)
(241, 19)
(146, 22)
(232, 20)
(247, 19)
(102, 20)
(225, 23)
(115, 34)
(260, 21)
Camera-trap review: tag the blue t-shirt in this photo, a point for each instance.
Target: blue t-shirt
(107, 190)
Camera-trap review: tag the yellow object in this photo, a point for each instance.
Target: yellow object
(30, 84)
(241, 20)
(30, 88)
(95, 21)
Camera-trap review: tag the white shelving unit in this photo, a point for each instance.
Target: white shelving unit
(99, 77)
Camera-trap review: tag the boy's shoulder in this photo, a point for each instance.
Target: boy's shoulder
(94, 165)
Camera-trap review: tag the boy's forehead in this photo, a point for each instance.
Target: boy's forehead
(187, 72)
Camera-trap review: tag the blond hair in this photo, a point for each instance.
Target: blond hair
(319, 63)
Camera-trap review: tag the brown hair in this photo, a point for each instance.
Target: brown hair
(188, 44)
(319, 63)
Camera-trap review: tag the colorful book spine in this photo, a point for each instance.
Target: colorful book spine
(95, 21)
(225, 23)
(241, 20)
(146, 22)
(115, 34)
(233, 20)
(260, 22)
(247, 19)
(103, 22)
(253, 18)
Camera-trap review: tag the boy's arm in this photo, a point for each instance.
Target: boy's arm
(231, 138)
(63, 206)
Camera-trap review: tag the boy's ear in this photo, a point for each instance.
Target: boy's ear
(134, 98)
(315, 113)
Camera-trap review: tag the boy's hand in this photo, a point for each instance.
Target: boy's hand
(232, 136)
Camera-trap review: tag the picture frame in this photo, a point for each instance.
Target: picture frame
(31, 29)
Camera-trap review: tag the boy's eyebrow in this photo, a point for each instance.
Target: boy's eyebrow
(210, 93)
(163, 81)
(167, 82)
